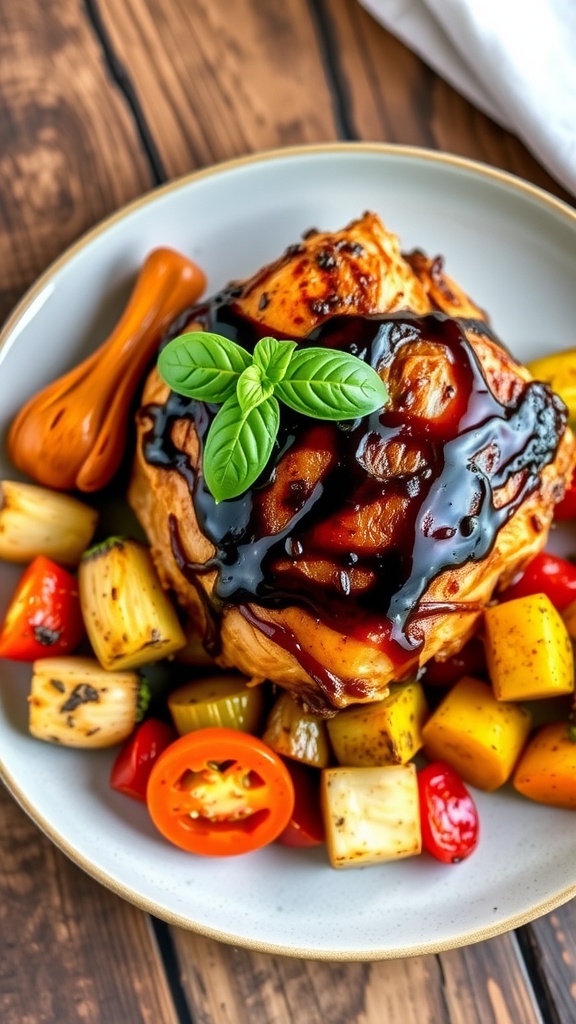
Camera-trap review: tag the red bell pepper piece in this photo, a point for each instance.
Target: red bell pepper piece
(132, 767)
(44, 616)
(306, 827)
(448, 814)
(546, 574)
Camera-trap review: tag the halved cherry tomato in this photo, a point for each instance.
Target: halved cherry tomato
(470, 661)
(131, 769)
(546, 574)
(449, 818)
(306, 827)
(220, 792)
(44, 616)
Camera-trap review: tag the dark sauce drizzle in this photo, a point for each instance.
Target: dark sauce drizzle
(450, 516)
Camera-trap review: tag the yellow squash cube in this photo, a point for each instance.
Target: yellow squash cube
(387, 732)
(528, 649)
(546, 771)
(479, 736)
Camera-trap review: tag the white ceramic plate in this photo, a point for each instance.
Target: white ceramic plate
(514, 249)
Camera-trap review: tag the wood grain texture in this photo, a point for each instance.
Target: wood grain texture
(483, 984)
(226, 985)
(393, 96)
(487, 984)
(225, 80)
(554, 939)
(69, 151)
(69, 949)
(215, 79)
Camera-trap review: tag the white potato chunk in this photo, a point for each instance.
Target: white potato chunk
(371, 814)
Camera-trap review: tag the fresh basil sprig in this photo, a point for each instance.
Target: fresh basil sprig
(318, 382)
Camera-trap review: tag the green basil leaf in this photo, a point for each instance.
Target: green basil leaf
(273, 357)
(203, 365)
(330, 385)
(238, 446)
(252, 388)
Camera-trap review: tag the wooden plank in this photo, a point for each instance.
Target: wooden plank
(69, 150)
(69, 949)
(482, 984)
(392, 96)
(487, 983)
(225, 79)
(225, 985)
(554, 938)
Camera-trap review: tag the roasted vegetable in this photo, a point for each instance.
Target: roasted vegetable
(370, 814)
(528, 649)
(217, 700)
(129, 619)
(306, 826)
(220, 793)
(546, 771)
(448, 814)
(295, 733)
(72, 434)
(74, 701)
(546, 574)
(479, 736)
(389, 732)
(131, 769)
(43, 616)
(36, 521)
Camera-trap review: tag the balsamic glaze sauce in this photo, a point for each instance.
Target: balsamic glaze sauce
(448, 513)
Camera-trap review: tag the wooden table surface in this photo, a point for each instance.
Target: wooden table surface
(100, 100)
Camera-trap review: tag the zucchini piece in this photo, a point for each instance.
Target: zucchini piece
(75, 702)
(129, 619)
(387, 732)
(293, 732)
(371, 814)
(37, 521)
(219, 700)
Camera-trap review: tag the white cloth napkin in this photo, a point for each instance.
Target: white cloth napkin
(514, 59)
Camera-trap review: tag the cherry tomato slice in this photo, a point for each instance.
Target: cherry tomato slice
(131, 769)
(306, 827)
(44, 616)
(220, 792)
(448, 814)
(546, 574)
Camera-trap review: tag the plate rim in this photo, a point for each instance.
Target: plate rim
(449, 160)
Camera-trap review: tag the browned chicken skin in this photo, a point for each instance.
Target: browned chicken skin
(324, 627)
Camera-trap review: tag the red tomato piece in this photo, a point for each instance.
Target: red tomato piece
(546, 574)
(44, 616)
(566, 509)
(131, 769)
(306, 827)
(470, 661)
(448, 814)
(220, 792)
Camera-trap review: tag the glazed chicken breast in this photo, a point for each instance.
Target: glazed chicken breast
(366, 547)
